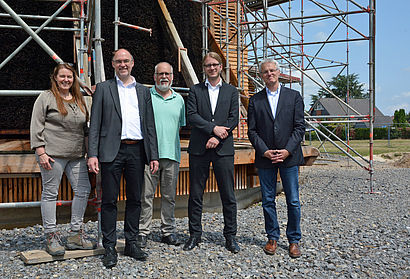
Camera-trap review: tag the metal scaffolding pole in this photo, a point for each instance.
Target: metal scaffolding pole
(372, 80)
(227, 67)
(116, 19)
(40, 41)
(26, 28)
(99, 73)
(52, 17)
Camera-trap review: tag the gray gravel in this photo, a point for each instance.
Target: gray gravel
(347, 233)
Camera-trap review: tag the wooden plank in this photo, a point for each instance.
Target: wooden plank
(14, 189)
(14, 145)
(21, 163)
(5, 189)
(39, 188)
(122, 186)
(19, 189)
(1, 189)
(30, 188)
(188, 71)
(63, 187)
(41, 256)
(25, 194)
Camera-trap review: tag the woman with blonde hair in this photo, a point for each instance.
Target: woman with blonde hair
(58, 134)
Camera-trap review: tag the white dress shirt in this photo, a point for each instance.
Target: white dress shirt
(213, 93)
(273, 98)
(131, 124)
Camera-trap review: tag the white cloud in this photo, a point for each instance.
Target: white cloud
(401, 96)
(321, 36)
(407, 69)
(406, 94)
(390, 109)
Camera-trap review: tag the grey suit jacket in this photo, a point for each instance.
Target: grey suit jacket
(285, 131)
(202, 120)
(104, 138)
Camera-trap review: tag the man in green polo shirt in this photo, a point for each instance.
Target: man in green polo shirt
(169, 114)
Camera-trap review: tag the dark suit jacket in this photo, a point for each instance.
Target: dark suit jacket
(106, 120)
(284, 132)
(202, 120)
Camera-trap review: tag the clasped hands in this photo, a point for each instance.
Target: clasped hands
(277, 155)
(219, 131)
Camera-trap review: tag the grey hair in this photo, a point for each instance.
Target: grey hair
(268, 60)
(156, 67)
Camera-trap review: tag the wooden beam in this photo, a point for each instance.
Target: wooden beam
(18, 163)
(187, 69)
(41, 256)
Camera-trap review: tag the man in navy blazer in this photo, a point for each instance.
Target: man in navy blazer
(122, 139)
(213, 113)
(275, 129)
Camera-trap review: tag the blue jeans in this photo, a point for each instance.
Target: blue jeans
(289, 177)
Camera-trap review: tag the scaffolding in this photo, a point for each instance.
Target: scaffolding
(243, 32)
(276, 29)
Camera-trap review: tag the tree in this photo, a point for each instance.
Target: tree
(338, 85)
(399, 118)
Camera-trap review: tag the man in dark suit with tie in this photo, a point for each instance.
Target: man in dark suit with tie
(122, 139)
(275, 129)
(213, 113)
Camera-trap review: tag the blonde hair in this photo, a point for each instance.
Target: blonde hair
(213, 55)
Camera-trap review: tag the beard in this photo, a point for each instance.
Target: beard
(163, 87)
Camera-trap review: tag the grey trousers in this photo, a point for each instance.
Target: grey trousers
(77, 174)
(167, 176)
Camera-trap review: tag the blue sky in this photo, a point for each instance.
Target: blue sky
(392, 49)
(392, 55)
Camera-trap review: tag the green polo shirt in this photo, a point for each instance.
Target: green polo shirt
(169, 116)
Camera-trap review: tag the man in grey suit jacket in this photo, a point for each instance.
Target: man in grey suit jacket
(122, 139)
(213, 113)
(275, 129)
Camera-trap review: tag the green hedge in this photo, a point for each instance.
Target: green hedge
(363, 133)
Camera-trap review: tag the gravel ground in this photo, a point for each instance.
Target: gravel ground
(347, 233)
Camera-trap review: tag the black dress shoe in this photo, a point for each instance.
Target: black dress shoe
(110, 257)
(192, 242)
(133, 251)
(232, 245)
(142, 240)
(170, 240)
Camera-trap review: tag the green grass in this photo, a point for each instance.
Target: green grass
(362, 146)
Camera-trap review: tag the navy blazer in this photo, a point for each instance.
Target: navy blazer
(202, 120)
(285, 131)
(104, 138)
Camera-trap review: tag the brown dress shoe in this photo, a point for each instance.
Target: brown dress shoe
(270, 247)
(294, 250)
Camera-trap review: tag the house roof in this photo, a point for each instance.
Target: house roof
(335, 107)
(331, 106)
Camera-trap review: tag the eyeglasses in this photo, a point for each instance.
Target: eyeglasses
(266, 72)
(163, 74)
(211, 65)
(119, 62)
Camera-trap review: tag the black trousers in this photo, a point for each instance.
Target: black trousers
(223, 167)
(130, 161)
